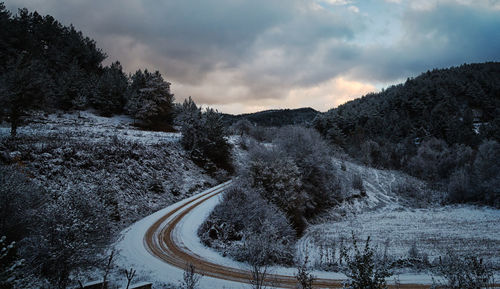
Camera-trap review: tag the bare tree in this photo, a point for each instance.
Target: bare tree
(259, 260)
(304, 278)
(72, 229)
(109, 265)
(129, 274)
(259, 274)
(190, 279)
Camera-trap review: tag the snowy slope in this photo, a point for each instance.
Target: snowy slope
(397, 220)
(138, 171)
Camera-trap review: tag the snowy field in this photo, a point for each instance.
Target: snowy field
(465, 229)
(397, 218)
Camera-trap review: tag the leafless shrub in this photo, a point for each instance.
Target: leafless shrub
(456, 272)
(304, 278)
(129, 274)
(190, 279)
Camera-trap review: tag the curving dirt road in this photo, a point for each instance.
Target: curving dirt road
(160, 241)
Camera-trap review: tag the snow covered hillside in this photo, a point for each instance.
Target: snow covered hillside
(137, 172)
(405, 221)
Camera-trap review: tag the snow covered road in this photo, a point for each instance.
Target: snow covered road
(160, 245)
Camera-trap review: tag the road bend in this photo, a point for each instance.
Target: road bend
(160, 241)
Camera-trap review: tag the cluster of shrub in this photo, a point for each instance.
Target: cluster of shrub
(443, 127)
(48, 66)
(283, 184)
(55, 234)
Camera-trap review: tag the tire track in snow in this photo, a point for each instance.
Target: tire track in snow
(160, 241)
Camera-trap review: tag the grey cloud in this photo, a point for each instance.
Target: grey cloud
(229, 51)
(445, 36)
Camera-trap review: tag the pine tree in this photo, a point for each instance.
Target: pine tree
(205, 137)
(150, 99)
(71, 87)
(111, 89)
(21, 88)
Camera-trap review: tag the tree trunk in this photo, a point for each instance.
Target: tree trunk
(14, 121)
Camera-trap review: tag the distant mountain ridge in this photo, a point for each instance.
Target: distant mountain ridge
(275, 117)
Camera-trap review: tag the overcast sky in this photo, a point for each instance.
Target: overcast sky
(244, 56)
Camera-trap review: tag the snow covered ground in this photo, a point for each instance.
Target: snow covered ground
(397, 218)
(133, 253)
(87, 124)
(141, 171)
(466, 229)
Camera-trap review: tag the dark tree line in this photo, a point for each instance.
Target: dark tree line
(275, 117)
(45, 65)
(433, 126)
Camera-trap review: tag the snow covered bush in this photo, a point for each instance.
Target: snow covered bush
(313, 157)
(277, 179)
(456, 271)
(241, 220)
(304, 277)
(295, 173)
(190, 279)
(19, 200)
(71, 230)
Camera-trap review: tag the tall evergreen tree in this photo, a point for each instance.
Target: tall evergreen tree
(205, 137)
(150, 99)
(21, 87)
(110, 90)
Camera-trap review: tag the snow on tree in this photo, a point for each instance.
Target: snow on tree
(71, 231)
(150, 98)
(204, 137)
(277, 179)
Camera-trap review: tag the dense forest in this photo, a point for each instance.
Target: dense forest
(442, 126)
